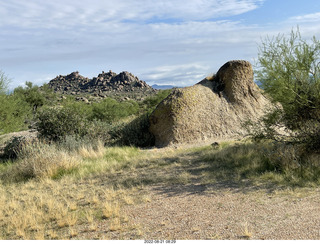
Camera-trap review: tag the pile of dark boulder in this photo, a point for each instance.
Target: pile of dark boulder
(75, 84)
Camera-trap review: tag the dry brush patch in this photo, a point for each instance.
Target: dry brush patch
(89, 201)
(40, 160)
(38, 205)
(63, 209)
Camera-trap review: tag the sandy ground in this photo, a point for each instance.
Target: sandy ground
(215, 212)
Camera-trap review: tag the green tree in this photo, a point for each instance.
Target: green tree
(4, 82)
(13, 110)
(289, 72)
(31, 94)
(13, 114)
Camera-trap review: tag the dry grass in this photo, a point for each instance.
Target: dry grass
(73, 233)
(92, 153)
(47, 210)
(42, 161)
(115, 224)
(246, 232)
(45, 207)
(107, 211)
(184, 177)
(70, 195)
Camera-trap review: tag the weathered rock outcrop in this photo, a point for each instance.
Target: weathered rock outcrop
(211, 110)
(74, 83)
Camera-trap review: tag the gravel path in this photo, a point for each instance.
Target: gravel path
(199, 212)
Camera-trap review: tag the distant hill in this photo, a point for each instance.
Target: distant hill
(102, 85)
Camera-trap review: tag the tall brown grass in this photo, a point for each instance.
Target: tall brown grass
(52, 209)
(41, 160)
(35, 204)
(88, 151)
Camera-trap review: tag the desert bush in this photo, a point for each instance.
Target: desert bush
(150, 103)
(13, 114)
(98, 130)
(276, 162)
(74, 144)
(291, 162)
(4, 82)
(71, 143)
(16, 144)
(289, 73)
(41, 160)
(49, 94)
(56, 123)
(81, 108)
(30, 94)
(135, 133)
(309, 136)
(110, 110)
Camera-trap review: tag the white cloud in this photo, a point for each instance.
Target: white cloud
(164, 41)
(306, 18)
(70, 13)
(182, 74)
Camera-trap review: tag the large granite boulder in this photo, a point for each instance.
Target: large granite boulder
(211, 110)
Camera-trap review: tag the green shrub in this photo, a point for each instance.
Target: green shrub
(310, 134)
(289, 73)
(31, 94)
(265, 162)
(83, 109)
(13, 114)
(150, 103)
(97, 130)
(56, 123)
(49, 94)
(135, 133)
(111, 110)
(4, 82)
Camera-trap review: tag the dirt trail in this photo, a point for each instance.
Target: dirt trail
(199, 212)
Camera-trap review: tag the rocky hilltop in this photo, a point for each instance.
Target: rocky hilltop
(212, 110)
(105, 83)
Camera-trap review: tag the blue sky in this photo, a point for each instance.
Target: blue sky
(176, 42)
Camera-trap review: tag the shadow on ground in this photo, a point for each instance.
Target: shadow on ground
(203, 171)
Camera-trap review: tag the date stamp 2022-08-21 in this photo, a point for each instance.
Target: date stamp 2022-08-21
(160, 241)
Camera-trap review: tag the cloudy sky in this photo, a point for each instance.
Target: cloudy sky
(175, 42)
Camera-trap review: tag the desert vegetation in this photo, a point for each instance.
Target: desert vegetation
(51, 192)
(289, 73)
(84, 163)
